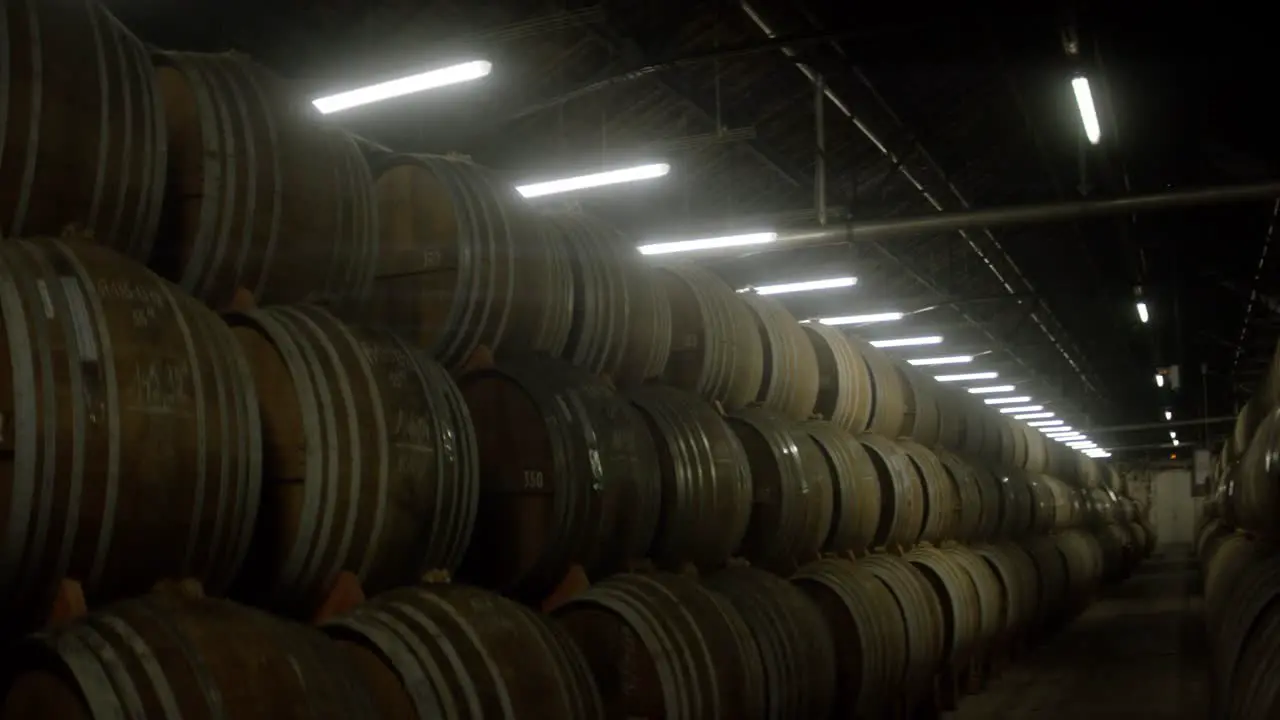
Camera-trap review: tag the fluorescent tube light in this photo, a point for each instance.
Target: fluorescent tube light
(967, 376)
(1088, 113)
(610, 177)
(1033, 416)
(1007, 401)
(1168, 414)
(1143, 315)
(1023, 409)
(404, 86)
(907, 342)
(862, 319)
(708, 243)
(807, 286)
(1044, 423)
(951, 360)
(992, 389)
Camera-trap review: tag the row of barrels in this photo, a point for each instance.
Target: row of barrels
(288, 447)
(224, 180)
(841, 638)
(1241, 584)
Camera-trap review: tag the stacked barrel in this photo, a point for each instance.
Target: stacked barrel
(321, 431)
(1239, 549)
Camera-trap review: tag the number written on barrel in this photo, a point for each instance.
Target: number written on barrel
(533, 480)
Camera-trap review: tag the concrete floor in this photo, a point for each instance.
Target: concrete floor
(1139, 652)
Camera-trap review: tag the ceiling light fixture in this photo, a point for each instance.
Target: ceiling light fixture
(1159, 380)
(1175, 442)
(1168, 414)
(680, 246)
(806, 286)
(992, 389)
(1098, 453)
(1084, 445)
(862, 319)
(907, 342)
(1143, 315)
(403, 86)
(1023, 409)
(951, 360)
(615, 177)
(1088, 113)
(1006, 401)
(1055, 432)
(1044, 424)
(967, 376)
(1070, 437)
(1033, 416)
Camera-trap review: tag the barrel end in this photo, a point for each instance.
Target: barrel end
(344, 595)
(67, 606)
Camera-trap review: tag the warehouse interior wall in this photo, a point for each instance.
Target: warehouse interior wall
(1175, 510)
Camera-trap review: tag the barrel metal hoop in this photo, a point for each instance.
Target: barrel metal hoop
(32, 144)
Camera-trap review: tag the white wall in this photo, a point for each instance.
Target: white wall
(1175, 511)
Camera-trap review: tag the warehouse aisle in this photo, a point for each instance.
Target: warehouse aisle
(1138, 652)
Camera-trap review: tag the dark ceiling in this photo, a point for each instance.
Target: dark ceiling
(951, 106)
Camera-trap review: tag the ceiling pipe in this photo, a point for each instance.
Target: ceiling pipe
(906, 173)
(1162, 425)
(856, 230)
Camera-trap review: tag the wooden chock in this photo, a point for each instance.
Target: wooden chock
(437, 577)
(67, 606)
(480, 359)
(641, 565)
(574, 582)
(344, 596)
(183, 588)
(242, 301)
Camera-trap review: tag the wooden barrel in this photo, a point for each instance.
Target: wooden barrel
(1245, 652)
(169, 657)
(662, 646)
(902, 502)
(888, 403)
(922, 615)
(941, 504)
(1251, 416)
(855, 487)
(1017, 505)
(461, 652)
(371, 459)
(602, 284)
(990, 491)
(921, 420)
(1229, 563)
(951, 417)
(967, 491)
(715, 347)
(1255, 497)
(796, 648)
(869, 632)
(844, 383)
(790, 380)
(261, 195)
(462, 262)
(990, 593)
(648, 328)
(1058, 505)
(83, 135)
(1037, 460)
(568, 474)
(706, 478)
(980, 440)
(792, 487)
(1052, 577)
(1086, 564)
(1014, 443)
(1043, 514)
(1016, 572)
(1089, 471)
(957, 598)
(130, 431)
